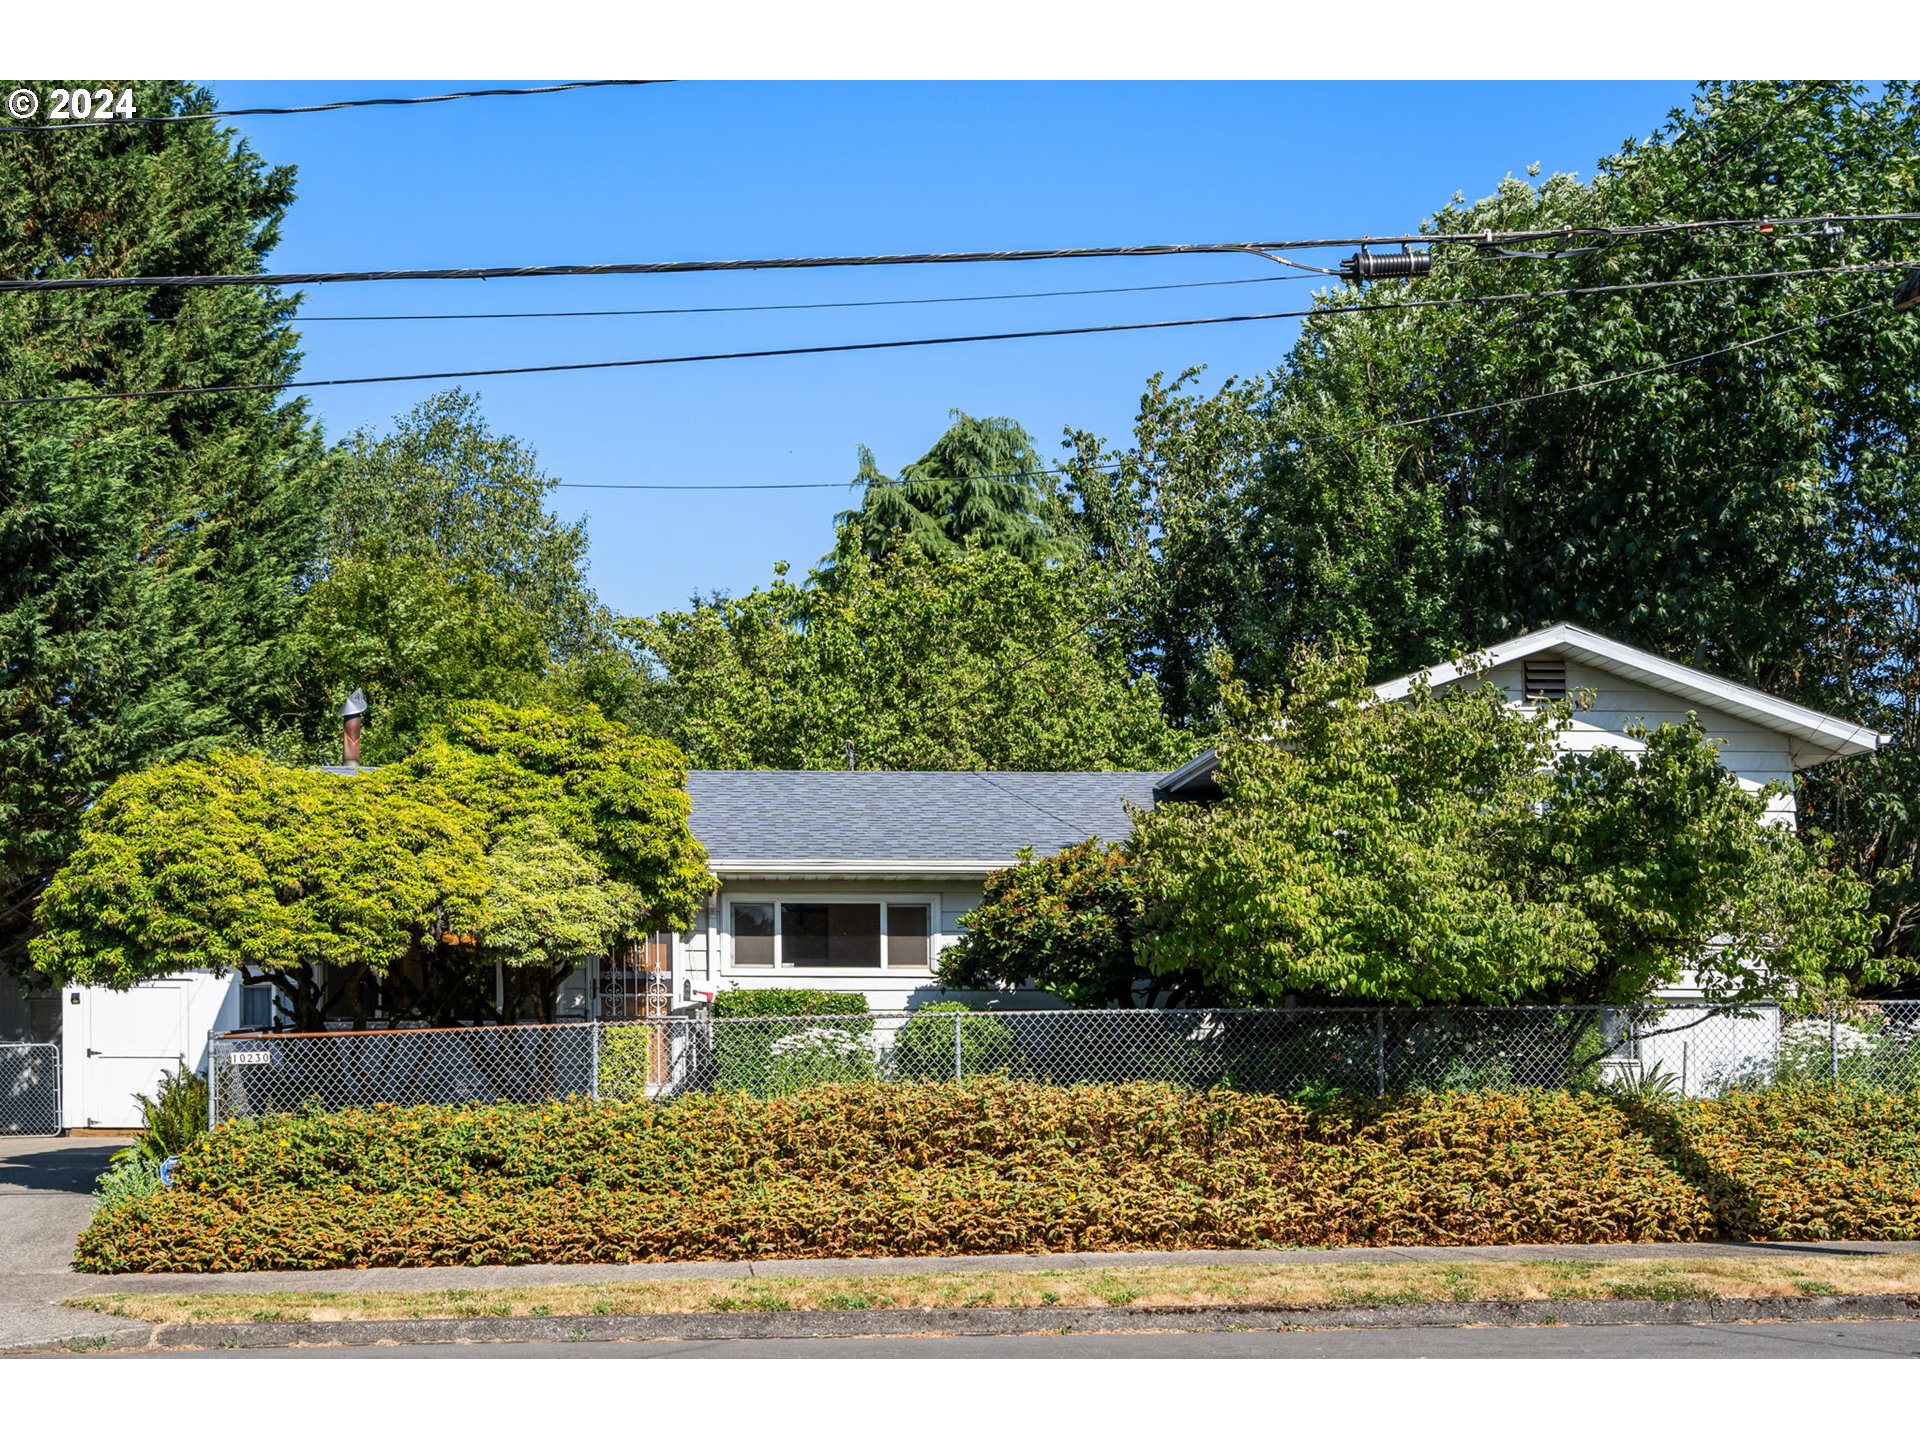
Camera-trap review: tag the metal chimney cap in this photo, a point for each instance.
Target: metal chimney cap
(356, 705)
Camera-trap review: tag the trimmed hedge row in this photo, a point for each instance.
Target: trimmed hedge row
(997, 1166)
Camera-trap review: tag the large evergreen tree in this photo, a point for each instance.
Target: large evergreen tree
(981, 485)
(152, 552)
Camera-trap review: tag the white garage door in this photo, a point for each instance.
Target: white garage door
(132, 1035)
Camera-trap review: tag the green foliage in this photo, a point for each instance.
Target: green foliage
(970, 660)
(981, 486)
(445, 579)
(992, 1166)
(1749, 512)
(790, 1039)
(1437, 850)
(234, 864)
(1065, 922)
(130, 1175)
(174, 1118)
(737, 1004)
(152, 555)
(547, 836)
(925, 1049)
(548, 903)
(619, 798)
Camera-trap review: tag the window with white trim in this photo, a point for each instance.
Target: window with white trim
(803, 933)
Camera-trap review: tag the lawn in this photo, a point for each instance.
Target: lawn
(1131, 1287)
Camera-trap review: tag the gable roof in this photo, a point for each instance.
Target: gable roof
(1817, 737)
(902, 821)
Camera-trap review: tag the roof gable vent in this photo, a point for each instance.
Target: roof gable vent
(1544, 679)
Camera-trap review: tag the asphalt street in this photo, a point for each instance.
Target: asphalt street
(1867, 1339)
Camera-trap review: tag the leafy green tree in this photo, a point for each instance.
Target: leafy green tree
(445, 578)
(1748, 511)
(1437, 850)
(1064, 922)
(549, 909)
(526, 836)
(982, 485)
(970, 660)
(152, 552)
(619, 798)
(322, 884)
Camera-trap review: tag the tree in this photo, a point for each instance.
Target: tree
(982, 485)
(445, 578)
(1064, 922)
(1717, 472)
(618, 797)
(153, 553)
(323, 885)
(1438, 850)
(549, 909)
(529, 837)
(969, 660)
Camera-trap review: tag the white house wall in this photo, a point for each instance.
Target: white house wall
(1756, 756)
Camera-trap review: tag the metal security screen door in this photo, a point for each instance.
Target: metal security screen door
(637, 984)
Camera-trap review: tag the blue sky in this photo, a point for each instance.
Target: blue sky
(705, 170)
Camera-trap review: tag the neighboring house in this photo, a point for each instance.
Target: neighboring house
(856, 880)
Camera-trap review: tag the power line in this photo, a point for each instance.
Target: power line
(671, 310)
(970, 257)
(1586, 385)
(1564, 390)
(316, 109)
(866, 345)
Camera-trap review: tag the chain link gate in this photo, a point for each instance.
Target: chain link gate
(29, 1089)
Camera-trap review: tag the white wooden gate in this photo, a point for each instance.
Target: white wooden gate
(129, 1037)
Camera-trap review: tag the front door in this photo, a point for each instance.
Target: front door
(637, 984)
(131, 1036)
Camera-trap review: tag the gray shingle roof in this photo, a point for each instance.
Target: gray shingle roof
(905, 815)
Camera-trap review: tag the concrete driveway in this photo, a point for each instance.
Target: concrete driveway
(46, 1190)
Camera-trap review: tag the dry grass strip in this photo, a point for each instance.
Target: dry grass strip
(1118, 1287)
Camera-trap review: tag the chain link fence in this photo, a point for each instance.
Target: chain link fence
(29, 1089)
(1674, 1050)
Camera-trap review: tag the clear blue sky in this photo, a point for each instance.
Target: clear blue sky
(701, 170)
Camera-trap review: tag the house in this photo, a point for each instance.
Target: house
(857, 880)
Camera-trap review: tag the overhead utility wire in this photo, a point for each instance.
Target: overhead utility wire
(671, 310)
(966, 257)
(862, 345)
(1576, 389)
(316, 109)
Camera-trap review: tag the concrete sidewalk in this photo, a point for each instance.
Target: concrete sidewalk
(46, 1195)
(484, 1277)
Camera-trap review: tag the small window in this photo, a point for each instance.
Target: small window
(256, 1007)
(753, 935)
(907, 934)
(1545, 679)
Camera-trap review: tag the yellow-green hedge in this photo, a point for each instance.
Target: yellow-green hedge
(997, 1166)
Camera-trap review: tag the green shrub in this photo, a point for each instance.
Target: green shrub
(174, 1116)
(750, 1004)
(995, 1166)
(774, 1042)
(924, 1047)
(129, 1175)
